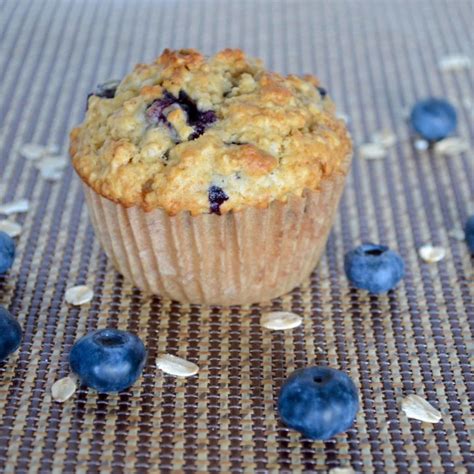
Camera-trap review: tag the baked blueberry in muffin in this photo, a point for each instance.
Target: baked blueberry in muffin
(216, 197)
(106, 90)
(158, 111)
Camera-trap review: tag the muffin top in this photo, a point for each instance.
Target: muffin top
(198, 134)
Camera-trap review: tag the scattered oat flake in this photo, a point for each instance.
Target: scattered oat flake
(32, 151)
(63, 389)
(280, 320)
(11, 228)
(431, 254)
(372, 151)
(51, 149)
(386, 138)
(454, 62)
(421, 145)
(56, 162)
(13, 207)
(342, 470)
(419, 409)
(51, 174)
(451, 146)
(78, 295)
(173, 365)
(457, 234)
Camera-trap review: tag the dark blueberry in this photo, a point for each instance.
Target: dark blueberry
(107, 89)
(433, 119)
(469, 230)
(155, 112)
(319, 402)
(322, 92)
(216, 197)
(10, 334)
(374, 267)
(7, 252)
(199, 120)
(189, 106)
(200, 126)
(108, 360)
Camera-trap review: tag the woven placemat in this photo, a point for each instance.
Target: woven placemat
(376, 58)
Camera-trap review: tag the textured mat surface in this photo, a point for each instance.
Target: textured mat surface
(375, 58)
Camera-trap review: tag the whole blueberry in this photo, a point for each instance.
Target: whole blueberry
(433, 119)
(374, 267)
(108, 360)
(7, 252)
(319, 402)
(469, 230)
(10, 334)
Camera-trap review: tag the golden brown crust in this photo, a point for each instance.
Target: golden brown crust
(221, 122)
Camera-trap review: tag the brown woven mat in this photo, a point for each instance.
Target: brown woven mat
(375, 58)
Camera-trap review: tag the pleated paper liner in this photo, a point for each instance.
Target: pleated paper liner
(238, 258)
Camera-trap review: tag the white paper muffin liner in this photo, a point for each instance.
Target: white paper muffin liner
(240, 257)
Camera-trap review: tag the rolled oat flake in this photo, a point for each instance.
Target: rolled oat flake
(431, 253)
(52, 162)
(280, 320)
(457, 233)
(385, 137)
(454, 62)
(451, 146)
(51, 174)
(78, 295)
(11, 228)
(419, 409)
(32, 151)
(63, 389)
(372, 151)
(15, 207)
(173, 365)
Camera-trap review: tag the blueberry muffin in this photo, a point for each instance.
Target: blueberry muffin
(210, 179)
